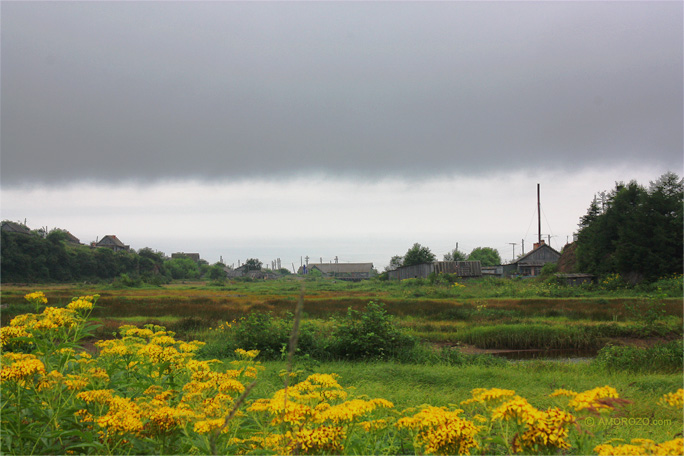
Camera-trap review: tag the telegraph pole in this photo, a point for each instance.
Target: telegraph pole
(513, 244)
(538, 215)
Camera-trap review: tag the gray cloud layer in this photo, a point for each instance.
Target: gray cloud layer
(155, 90)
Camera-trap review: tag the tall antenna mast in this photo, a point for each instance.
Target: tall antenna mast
(538, 215)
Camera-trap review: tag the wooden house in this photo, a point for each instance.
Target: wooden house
(112, 242)
(12, 227)
(71, 239)
(530, 264)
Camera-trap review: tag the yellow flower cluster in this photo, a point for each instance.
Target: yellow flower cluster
(547, 429)
(149, 347)
(20, 367)
(37, 297)
(51, 319)
(594, 399)
(315, 414)
(441, 431)
(244, 354)
(675, 399)
(10, 334)
(642, 447)
(83, 303)
(488, 397)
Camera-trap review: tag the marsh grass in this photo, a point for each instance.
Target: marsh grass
(663, 357)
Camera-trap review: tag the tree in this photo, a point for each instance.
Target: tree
(487, 256)
(182, 268)
(638, 234)
(455, 255)
(418, 255)
(396, 261)
(253, 264)
(217, 271)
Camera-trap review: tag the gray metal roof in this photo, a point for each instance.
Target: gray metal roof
(342, 268)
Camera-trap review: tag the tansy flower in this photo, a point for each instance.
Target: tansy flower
(675, 399)
(642, 447)
(20, 367)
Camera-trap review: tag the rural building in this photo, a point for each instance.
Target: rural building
(111, 242)
(459, 268)
(193, 256)
(492, 271)
(576, 279)
(71, 239)
(531, 263)
(342, 271)
(243, 271)
(12, 227)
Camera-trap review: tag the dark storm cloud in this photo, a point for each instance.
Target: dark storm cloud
(156, 90)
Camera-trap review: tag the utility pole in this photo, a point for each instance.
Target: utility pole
(513, 244)
(523, 246)
(539, 215)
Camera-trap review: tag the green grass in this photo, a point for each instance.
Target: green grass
(411, 385)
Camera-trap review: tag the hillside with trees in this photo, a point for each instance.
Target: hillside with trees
(35, 257)
(635, 231)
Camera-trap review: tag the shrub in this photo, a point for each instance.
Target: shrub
(658, 358)
(263, 332)
(125, 281)
(370, 334)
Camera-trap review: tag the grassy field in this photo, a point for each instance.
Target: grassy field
(484, 313)
(415, 348)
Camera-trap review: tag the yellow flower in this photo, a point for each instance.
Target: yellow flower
(324, 439)
(165, 418)
(642, 447)
(206, 426)
(76, 382)
(122, 417)
(97, 396)
(37, 297)
(675, 399)
(49, 381)
(81, 304)
(441, 431)
(594, 398)
(247, 354)
(542, 428)
(18, 367)
(8, 333)
(487, 396)
(349, 411)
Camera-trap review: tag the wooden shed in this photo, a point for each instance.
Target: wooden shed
(460, 268)
(343, 271)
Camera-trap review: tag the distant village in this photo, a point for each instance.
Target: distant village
(527, 265)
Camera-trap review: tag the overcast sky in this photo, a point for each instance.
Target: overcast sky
(349, 129)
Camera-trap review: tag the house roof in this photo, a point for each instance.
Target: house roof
(527, 256)
(111, 239)
(15, 227)
(71, 238)
(342, 268)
